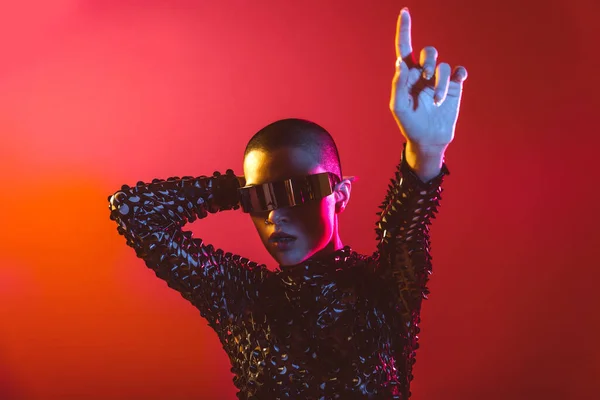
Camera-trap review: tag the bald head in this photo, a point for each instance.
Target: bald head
(293, 133)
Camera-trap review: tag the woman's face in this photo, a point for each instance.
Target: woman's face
(292, 234)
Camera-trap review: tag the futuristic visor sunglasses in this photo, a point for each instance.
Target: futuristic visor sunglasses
(287, 193)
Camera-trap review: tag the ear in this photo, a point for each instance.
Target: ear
(341, 192)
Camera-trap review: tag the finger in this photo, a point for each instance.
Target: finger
(403, 40)
(459, 75)
(442, 82)
(400, 90)
(427, 60)
(414, 75)
(454, 89)
(402, 71)
(456, 81)
(403, 83)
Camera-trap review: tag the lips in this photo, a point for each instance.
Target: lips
(281, 237)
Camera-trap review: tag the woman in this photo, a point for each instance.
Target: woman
(328, 323)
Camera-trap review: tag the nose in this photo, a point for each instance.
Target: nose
(277, 217)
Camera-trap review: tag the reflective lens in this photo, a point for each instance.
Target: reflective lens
(288, 193)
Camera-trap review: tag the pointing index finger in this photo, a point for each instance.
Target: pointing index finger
(403, 40)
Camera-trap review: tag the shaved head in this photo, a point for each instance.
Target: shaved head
(300, 134)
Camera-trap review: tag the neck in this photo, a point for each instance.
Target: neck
(334, 244)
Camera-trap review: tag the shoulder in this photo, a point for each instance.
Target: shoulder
(358, 269)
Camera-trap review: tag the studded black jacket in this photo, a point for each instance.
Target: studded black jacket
(344, 326)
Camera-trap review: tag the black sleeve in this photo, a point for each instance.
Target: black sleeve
(403, 235)
(151, 217)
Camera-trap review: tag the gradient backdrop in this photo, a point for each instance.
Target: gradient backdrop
(95, 94)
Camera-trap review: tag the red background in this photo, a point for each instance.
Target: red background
(94, 94)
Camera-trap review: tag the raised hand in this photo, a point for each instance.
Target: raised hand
(425, 99)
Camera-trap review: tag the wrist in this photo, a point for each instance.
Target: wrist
(426, 151)
(426, 162)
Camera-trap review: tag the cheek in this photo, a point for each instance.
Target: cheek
(320, 222)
